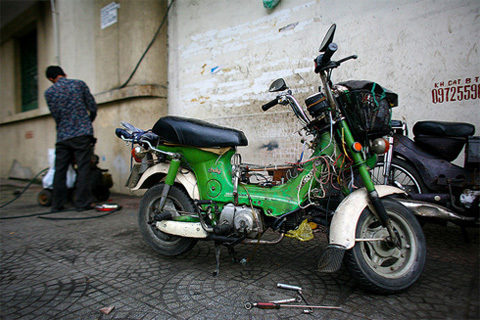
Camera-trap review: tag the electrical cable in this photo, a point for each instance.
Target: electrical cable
(25, 189)
(34, 215)
(331, 134)
(40, 215)
(81, 218)
(148, 47)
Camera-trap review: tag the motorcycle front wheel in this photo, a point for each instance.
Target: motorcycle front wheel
(178, 203)
(381, 266)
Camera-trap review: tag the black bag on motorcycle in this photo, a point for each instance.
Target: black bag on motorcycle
(367, 107)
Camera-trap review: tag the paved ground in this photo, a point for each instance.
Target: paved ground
(70, 269)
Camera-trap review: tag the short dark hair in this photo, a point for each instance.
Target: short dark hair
(53, 72)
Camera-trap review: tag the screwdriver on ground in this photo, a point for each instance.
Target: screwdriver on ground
(272, 305)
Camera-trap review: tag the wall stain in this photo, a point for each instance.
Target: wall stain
(270, 146)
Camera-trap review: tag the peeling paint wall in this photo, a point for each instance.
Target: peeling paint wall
(223, 55)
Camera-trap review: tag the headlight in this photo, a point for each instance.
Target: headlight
(138, 153)
(380, 145)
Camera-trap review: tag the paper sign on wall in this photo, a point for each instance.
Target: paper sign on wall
(108, 15)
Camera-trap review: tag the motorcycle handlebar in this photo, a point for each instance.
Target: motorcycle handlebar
(270, 104)
(123, 134)
(331, 49)
(146, 139)
(323, 60)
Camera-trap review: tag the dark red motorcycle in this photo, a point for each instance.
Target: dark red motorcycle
(423, 167)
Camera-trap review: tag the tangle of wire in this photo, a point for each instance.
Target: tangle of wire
(326, 171)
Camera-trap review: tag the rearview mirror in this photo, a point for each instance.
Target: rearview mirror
(328, 38)
(278, 85)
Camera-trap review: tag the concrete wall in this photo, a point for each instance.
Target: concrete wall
(25, 136)
(118, 49)
(104, 59)
(223, 56)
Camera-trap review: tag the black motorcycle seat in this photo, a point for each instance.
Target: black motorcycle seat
(197, 133)
(443, 129)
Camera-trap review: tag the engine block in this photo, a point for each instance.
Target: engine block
(242, 219)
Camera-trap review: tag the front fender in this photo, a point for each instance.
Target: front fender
(344, 221)
(188, 179)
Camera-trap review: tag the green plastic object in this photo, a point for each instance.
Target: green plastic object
(270, 4)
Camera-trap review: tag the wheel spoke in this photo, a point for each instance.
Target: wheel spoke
(378, 260)
(400, 176)
(396, 254)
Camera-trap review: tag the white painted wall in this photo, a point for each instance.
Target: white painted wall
(407, 46)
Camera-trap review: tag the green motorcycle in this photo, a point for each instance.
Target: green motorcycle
(199, 189)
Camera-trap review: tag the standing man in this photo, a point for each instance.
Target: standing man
(73, 108)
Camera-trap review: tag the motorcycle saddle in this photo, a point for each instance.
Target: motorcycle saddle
(443, 139)
(443, 129)
(197, 133)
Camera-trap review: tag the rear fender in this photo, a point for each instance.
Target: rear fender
(344, 222)
(188, 179)
(430, 167)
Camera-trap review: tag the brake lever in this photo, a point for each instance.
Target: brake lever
(335, 64)
(347, 58)
(339, 62)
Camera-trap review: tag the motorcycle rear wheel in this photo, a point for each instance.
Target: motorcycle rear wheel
(178, 202)
(402, 175)
(380, 266)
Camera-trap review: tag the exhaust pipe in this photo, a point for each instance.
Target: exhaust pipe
(261, 241)
(432, 210)
(196, 230)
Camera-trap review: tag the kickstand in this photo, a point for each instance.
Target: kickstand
(217, 258)
(233, 254)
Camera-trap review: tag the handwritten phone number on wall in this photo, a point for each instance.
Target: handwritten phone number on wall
(456, 90)
(458, 93)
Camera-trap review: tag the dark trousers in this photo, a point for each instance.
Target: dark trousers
(80, 149)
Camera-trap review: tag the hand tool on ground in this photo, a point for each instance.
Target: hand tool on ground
(271, 305)
(296, 299)
(281, 303)
(299, 293)
(294, 288)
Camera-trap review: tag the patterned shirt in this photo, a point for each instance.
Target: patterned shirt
(68, 101)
